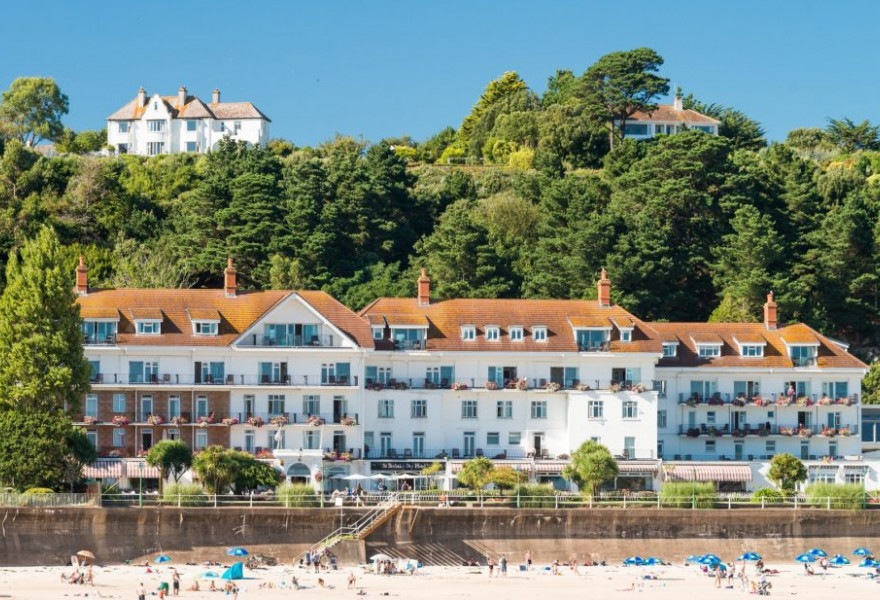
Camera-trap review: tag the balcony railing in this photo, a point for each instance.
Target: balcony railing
(409, 345)
(294, 418)
(597, 347)
(230, 379)
(293, 341)
(809, 361)
(100, 340)
(521, 384)
(712, 430)
(782, 400)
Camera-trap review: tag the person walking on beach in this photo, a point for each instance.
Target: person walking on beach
(528, 560)
(718, 576)
(175, 582)
(491, 563)
(142, 592)
(503, 569)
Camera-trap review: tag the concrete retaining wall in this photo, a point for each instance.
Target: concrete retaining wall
(30, 536)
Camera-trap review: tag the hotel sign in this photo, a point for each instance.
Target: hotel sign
(399, 465)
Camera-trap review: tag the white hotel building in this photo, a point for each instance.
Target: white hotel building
(298, 378)
(151, 125)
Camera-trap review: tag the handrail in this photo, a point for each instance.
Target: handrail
(354, 530)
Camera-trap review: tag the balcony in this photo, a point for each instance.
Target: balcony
(781, 400)
(595, 347)
(100, 340)
(408, 345)
(293, 341)
(229, 379)
(288, 418)
(715, 430)
(809, 361)
(518, 384)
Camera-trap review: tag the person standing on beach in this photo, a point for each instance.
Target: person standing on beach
(142, 592)
(503, 569)
(528, 560)
(175, 582)
(491, 563)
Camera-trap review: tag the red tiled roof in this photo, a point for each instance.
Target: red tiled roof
(340, 315)
(404, 320)
(668, 113)
(775, 352)
(706, 337)
(799, 335)
(750, 337)
(192, 108)
(446, 317)
(593, 321)
(145, 313)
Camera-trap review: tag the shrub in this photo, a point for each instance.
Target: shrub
(296, 494)
(39, 490)
(184, 494)
(536, 495)
(686, 494)
(850, 496)
(767, 495)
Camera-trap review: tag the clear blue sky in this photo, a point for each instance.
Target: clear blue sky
(378, 69)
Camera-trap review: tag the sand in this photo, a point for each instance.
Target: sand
(674, 582)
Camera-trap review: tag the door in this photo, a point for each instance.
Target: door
(805, 419)
(737, 450)
(146, 407)
(629, 447)
(538, 443)
(339, 408)
(418, 448)
(339, 442)
(385, 444)
(146, 439)
(469, 443)
(739, 419)
(369, 444)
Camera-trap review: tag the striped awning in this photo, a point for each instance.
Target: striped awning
(103, 469)
(455, 467)
(708, 473)
(826, 467)
(637, 468)
(137, 469)
(858, 468)
(549, 466)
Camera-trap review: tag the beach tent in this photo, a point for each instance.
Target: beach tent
(236, 571)
(162, 558)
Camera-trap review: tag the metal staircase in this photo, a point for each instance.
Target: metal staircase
(364, 526)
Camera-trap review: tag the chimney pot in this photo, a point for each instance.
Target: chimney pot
(142, 96)
(215, 96)
(770, 321)
(82, 277)
(424, 289)
(678, 103)
(181, 96)
(230, 283)
(604, 287)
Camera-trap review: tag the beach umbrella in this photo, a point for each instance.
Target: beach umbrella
(694, 558)
(818, 552)
(712, 557)
(86, 557)
(805, 558)
(634, 560)
(380, 556)
(750, 556)
(838, 560)
(209, 575)
(237, 552)
(869, 563)
(862, 552)
(653, 561)
(380, 476)
(355, 477)
(163, 558)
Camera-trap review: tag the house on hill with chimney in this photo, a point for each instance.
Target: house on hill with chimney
(151, 125)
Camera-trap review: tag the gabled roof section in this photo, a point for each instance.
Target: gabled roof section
(340, 316)
(203, 314)
(406, 320)
(667, 113)
(446, 317)
(192, 108)
(236, 110)
(146, 314)
(776, 355)
(98, 312)
(750, 337)
(706, 337)
(799, 334)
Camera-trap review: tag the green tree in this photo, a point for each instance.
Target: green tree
(591, 466)
(506, 478)
(743, 132)
(850, 136)
(786, 472)
(871, 385)
(172, 457)
(217, 468)
(40, 331)
(148, 265)
(252, 474)
(476, 473)
(622, 83)
(35, 450)
(31, 109)
(80, 452)
(81, 143)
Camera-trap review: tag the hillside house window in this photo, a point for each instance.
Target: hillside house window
(205, 327)
(516, 334)
(539, 334)
(91, 405)
(149, 327)
(539, 409)
(595, 409)
(99, 332)
(191, 125)
(753, 351)
(154, 148)
(493, 333)
(156, 125)
(514, 438)
(661, 419)
(468, 409)
(386, 409)
(192, 147)
(468, 333)
(493, 438)
(311, 404)
(419, 409)
(123, 127)
(222, 126)
(709, 350)
(236, 126)
(118, 437)
(630, 409)
(119, 403)
(504, 409)
(276, 404)
(670, 350)
(635, 129)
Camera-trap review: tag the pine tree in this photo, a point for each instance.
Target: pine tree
(43, 366)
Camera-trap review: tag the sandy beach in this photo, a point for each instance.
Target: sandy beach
(121, 582)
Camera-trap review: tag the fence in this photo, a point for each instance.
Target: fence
(49, 500)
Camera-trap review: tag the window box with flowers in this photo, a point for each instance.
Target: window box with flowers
(783, 401)
(846, 401)
(230, 421)
(205, 421)
(279, 421)
(715, 400)
(491, 385)
(458, 387)
(804, 401)
(825, 401)
(640, 388)
(315, 421)
(614, 387)
(120, 421)
(805, 432)
(844, 431)
(522, 384)
(265, 453)
(179, 420)
(155, 420)
(90, 420)
(828, 431)
(376, 386)
(348, 421)
(739, 402)
(786, 431)
(346, 456)
(582, 387)
(552, 386)
(759, 400)
(256, 421)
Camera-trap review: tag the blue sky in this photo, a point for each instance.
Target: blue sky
(377, 69)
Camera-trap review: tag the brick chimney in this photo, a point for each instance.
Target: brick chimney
(181, 97)
(604, 290)
(770, 312)
(215, 96)
(142, 97)
(82, 278)
(230, 284)
(424, 289)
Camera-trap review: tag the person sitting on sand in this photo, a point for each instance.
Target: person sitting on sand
(195, 586)
(320, 582)
(213, 587)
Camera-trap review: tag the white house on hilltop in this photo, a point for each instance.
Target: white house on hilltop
(150, 125)
(668, 119)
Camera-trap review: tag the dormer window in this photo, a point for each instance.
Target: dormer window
(516, 333)
(626, 335)
(803, 356)
(151, 327)
(752, 351)
(670, 349)
(468, 333)
(539, 334)
(493, 333)
(709, 350)
(378, 333)
(205, 327)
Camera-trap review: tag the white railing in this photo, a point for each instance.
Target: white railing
(49, 500)
(353, 531)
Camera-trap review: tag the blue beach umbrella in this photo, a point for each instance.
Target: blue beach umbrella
(805, 558)
(818, 552)
(634, 560)
(750, 556)
(838, 560)
(862, 552)
(869, 563)
(653, 561)
(710, 559)
(210, 574)
(237, 552)
(694, 558)
(162, 558)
